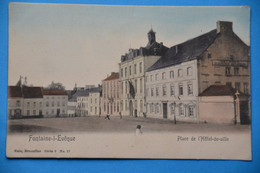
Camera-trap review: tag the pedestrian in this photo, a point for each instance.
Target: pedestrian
(120, 115)
(107, 117)
(138, 130)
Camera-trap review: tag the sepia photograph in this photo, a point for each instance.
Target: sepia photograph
(106, 81)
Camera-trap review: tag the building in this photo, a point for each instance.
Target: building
(55, 102)
(15, 102)
(132, 70)
(175, 81)
(88, 101)
(111, 94)
(222, 104)
(25, 101)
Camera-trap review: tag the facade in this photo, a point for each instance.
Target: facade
(55, 102)
(172, 92)
(88, 101)
(218, 57)
(25, 101)
(132, 70)
(111, 94)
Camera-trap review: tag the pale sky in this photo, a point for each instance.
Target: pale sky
(83, 44)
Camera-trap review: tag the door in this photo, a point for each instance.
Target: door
(58, 112)
(165, 110)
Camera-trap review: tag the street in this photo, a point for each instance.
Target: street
(115, 124)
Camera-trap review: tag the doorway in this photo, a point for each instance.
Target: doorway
(165, 110)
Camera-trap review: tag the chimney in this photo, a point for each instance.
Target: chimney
(224, 27)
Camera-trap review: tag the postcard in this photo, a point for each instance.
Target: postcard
(154, 82)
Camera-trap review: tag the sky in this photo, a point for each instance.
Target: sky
(83, 44)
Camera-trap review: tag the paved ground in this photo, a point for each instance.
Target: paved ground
(115, 124)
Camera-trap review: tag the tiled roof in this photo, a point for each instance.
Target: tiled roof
(54, 92)
(113, 76)
(218, 90)
(186, 51)
(14, 92)
(32, 92)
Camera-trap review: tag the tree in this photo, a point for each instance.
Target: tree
(56, 86)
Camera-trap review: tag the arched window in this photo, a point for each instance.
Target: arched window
(171, 74)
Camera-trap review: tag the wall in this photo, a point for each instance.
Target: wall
(217, 109)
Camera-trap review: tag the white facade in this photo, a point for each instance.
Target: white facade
(71, 108)
(94, 103)
(172, 92)
(82, 106)
(133, 71)
(15, 107)
(55, 105)
(33, 107)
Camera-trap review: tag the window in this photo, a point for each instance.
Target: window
(181, 109)
(126, 107)
(125, 71)
(135, 69)
(63, 103)
(229, 84)
(47, 112)
(95, 110)
(18, 103)
(228, 71)
(47, 104)
(157, 108)
(157, 91)
(151, 92)
(180, 73)
(104, 106)
(28, 104)
(172, 90)
(189, 71)
(114, 107)
(156, 77)
(151, 107)
(237, 86)
(190, 89)
(122, 73)
(180, 90)
(28, 112)
(172, 109)
(95, 100)
(163, 75)
(52, 104)
(151, 78)
(236, 71)
(130, 70)
(209, 55)
(58, 103)
(91, 101)
(164, 90)
(40, 104)
(171, 74)
(117, 106)
(91, 109)
(126, 87)
(141, 85)
(140, 67)
(34, 112)
(246, 88)
(191, 111)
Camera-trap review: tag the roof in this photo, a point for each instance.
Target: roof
(85, 93)
(54, 92)
(32, 92)
(219, 90)
(185, 51)
(113, 76)
(15, 92)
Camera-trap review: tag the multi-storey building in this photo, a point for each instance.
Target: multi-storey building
(132, 70)
(218, 57)
(55, 102)
(111, 94)
(25, 101)
(88, 101)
